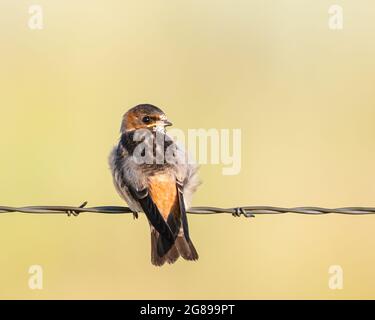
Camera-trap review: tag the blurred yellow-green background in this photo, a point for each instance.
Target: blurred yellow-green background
(302, 94)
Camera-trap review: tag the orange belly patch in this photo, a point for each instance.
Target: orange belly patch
(163, 192)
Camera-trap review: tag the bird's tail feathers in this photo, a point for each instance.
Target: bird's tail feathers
(186, 249)
(162, 251)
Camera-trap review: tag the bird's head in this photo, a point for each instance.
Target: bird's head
(144, 116)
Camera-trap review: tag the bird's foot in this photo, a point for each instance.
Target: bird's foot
(135, 215)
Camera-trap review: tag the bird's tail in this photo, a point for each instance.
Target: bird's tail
(186, 248)
(163, 251)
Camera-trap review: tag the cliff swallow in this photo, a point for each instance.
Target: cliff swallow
(161, 189)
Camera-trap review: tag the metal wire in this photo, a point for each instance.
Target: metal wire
(246, 211)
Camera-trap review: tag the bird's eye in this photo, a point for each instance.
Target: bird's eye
(146, 119)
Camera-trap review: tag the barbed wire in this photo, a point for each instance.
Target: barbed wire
(246, 211)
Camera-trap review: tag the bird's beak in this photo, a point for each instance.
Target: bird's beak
(166, 123)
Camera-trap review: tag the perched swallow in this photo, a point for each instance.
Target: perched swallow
(162, 190)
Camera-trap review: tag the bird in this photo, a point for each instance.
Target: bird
(161, 189)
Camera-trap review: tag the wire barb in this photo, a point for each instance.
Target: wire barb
(246, 211)
(76, 213)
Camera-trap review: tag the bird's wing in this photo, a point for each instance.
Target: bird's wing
(152, 212)
(181, 201)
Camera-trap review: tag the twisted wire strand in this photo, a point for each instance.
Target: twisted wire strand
(246, 211)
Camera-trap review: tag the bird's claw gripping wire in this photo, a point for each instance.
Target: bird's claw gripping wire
(135, 215)
(76, 213)
(240, 210)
